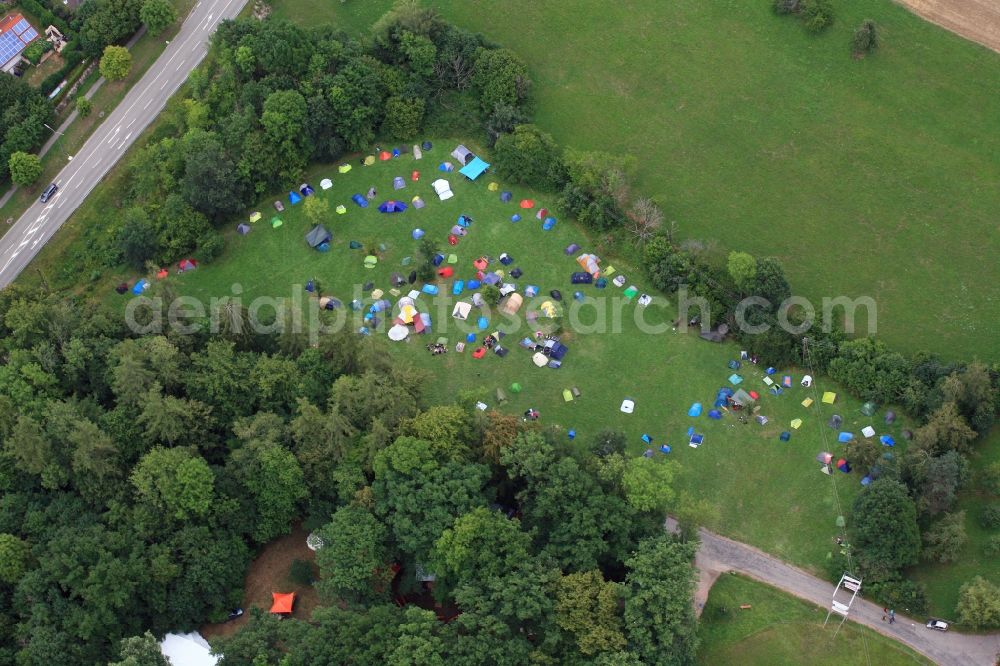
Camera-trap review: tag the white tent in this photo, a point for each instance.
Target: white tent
(325, 184)
(512, 304)
(187, 650)
(461, 310)
(416, 152)
(398, 332)
(443, 189)
(540, 359)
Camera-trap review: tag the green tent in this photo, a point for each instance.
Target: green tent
(868, 408)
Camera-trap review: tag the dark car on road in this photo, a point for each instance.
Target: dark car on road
(49, 191)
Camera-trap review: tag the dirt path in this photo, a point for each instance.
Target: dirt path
(978, 20)
(718, 554)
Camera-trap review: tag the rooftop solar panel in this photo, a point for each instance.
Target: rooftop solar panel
(10, 46)
(21, 26)
(29, 35)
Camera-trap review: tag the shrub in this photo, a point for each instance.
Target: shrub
(782, 7)
(979, 604)
(36, 50)
(990, 516)
(817, 15)
(993, 546)
(866, 38)
(529, 155)
(491, 294)
(25, 168)
(210, 246)
(301, 573)
(116, 63)
(84, 106)
(991, 479)
(905, 594)
(945, 540)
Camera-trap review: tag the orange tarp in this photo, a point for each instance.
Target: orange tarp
(282, 602)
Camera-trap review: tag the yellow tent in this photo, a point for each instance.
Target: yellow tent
(829, 397)
(807, 402)
(512, 304)
(796, 424)
(255, 216)
(407, 313)
(341, 209)
(548, 309)
(344, 168)
(493, 187)
(370, 160)
(567, 395)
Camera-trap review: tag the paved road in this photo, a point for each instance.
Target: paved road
(110, 141)
(718, 555)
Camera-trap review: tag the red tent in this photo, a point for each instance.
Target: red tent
(446, 272)
(542, 213)
(452, 239)
(527, 203)
(163, 272)
(415, 176)
(282, 602)
(384, 156)
(187, 264)
(754, 395)
(480, 264)
(479, 353)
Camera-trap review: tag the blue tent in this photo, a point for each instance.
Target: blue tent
(474, 169)
(392, 207)
(506, 196)
(140, 286)
(294, 198)
(360, 200)
(482, 323)
(785, 436)
(417, 234)
(458, 287)
(647, 439)
(548, 223)
(430, 289)
(715, 414)
(845, 437)
(515, 218)
(446, 167)
(887, 440)
(664, 448)
(695, 409)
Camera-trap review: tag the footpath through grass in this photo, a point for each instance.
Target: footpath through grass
(864, 177)
(780, 629)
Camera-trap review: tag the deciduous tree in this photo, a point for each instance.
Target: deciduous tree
(116, 63)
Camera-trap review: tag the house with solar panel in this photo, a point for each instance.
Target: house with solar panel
(15, 36)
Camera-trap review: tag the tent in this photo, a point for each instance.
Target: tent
(461, 310)
(506, 196)
(628, 406)
(370, 261)
(474, 169)
(539, 359)
(255, 216)
(512, 304)
(527, 203)
(384, 155)
(462, 154)
(392, 207)
(796, 424)
(695, 410)
(278, 206)
(187, 264)
(398, 183)
(282, 602)
(742, 398)
(548, 224)
(571, 248)
(325, 184)
(318, 235)
(868, 432)
(398, 332)
(829, 397)
(447, 167)
(140, 287)
(360, 200)
(443, 189)
(418, 203)
(187, 649)
(868, 408)
(845, 437)
(341, 209)
(417, 153)
(397, 280)
(548, 309)
(344, 168)
(276, 222)
(581, 277)
(243, 229)
(294, 198)
(887, 440)
(306, 190)
(714, 414)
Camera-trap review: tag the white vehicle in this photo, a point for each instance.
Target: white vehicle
(937, 625)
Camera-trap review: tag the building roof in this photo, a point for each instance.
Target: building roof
(15, 35)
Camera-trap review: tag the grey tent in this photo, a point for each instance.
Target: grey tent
(505, 196)
(318, 235)
(742, 398)
(835, 421)
(462, 154)
(717, 334)
(397, 280)
(890, 417)
(868, 408)
(243, 229)
(418, 202)
(398, 183)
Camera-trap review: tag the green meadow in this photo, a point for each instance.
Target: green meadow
(873, 177)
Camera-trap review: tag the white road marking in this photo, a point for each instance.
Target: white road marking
(148, 103)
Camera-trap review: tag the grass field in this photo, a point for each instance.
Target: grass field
(743, 469)
(865, 177)
(780, 629)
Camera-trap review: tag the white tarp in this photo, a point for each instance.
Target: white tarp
(187, 650)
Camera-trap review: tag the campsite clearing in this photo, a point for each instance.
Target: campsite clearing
(746, 473)
(756, 135)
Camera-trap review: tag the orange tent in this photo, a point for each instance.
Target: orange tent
(282, 602)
